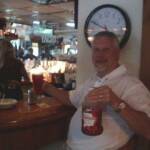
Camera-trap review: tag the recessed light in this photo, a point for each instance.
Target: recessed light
(41, 1)
(8, 10)
(70, 24)
(36, 22)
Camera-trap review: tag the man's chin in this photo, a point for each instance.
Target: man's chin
(101, 70)
(101, 67)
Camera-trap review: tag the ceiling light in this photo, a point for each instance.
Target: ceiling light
(70, 24)
(41, 1)
(8, 10)
(45, 2)
(56, 1)
(36, 22)
(35, 12)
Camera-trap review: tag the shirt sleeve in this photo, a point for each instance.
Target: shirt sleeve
(138, 97)
(76, 97)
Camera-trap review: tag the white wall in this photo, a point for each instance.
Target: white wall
(130, 54)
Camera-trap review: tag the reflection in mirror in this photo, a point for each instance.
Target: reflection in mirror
(44, 42)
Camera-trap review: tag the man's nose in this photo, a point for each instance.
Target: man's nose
(100, 53)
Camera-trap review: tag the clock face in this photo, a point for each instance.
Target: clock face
(108, 18)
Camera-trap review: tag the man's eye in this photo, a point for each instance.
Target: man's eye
(106, 49)
(101, 50)
(95, 50)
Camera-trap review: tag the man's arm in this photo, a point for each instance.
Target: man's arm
(60, 94)
(137, 120)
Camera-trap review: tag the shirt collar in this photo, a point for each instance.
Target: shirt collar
(115, 73)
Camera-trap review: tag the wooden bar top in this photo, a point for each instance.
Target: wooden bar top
(30, 127)
(25, 115)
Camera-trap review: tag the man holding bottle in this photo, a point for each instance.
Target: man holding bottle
(122, 98)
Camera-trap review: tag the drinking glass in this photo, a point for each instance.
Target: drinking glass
(37, 83)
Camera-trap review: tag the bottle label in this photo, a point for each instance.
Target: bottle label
(89, 119)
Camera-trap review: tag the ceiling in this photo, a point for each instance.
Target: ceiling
(25, 11)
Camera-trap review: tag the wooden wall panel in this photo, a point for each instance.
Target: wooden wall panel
(143, 144)
(145, 54)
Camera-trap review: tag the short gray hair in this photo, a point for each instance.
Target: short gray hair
(107, 34)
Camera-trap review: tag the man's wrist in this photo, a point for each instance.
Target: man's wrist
(119, 106)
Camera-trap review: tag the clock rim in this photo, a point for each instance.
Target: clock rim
(127, 33)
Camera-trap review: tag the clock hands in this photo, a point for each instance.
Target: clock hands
(101, 26)
(95, 23)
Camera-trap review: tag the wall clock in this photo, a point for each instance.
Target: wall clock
(108, 17)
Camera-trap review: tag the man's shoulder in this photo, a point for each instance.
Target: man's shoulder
(129, 81)
(130, 77)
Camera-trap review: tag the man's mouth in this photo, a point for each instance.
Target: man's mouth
(100, 61)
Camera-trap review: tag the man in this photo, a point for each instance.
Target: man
(30, 54)
(125, 99)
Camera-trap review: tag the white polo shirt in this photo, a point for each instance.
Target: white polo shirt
(116, 132)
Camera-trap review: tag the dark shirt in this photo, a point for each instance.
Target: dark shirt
(11, 71)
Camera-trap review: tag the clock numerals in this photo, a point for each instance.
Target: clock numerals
(113, 15)
(118, 21)
(106, 14)
(100, 16)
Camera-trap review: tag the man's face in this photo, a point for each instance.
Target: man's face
(105, 55)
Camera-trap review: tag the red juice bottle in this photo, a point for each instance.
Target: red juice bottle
(91, 119)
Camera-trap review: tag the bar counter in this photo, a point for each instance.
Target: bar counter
(29, 127)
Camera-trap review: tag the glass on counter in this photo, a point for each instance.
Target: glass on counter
(37, 80)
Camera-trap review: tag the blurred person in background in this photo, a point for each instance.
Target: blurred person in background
(30, 54)
(12, 71)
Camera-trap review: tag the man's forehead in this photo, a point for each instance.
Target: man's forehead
(103, 38)
(104, 41)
